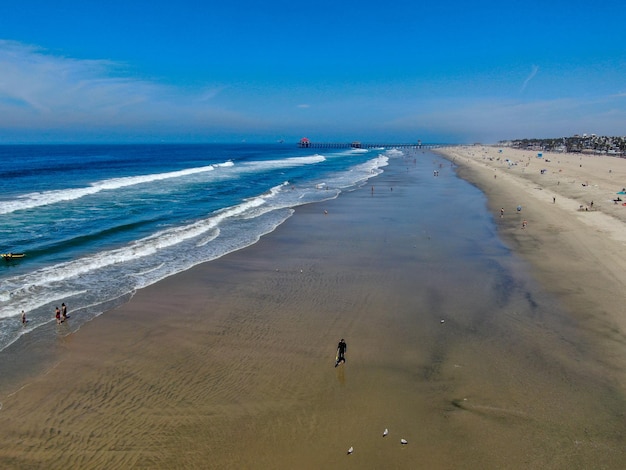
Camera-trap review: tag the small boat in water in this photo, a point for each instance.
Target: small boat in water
(10, 256)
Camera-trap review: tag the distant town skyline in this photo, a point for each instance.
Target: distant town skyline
(449, 72)
(588, 143)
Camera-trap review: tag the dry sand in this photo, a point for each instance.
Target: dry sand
(229, 365)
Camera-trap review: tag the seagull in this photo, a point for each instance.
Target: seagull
(403, 441)
(350, 450)
(385, 432)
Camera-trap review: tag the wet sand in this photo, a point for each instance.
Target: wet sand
(230, 364)
(575, 237)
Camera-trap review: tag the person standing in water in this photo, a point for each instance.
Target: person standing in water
(23, 317)
(341, 351)
(64, 311)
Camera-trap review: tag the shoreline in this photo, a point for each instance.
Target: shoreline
(578, 254)
(230, 362)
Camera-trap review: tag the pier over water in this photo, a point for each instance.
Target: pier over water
(306, 143)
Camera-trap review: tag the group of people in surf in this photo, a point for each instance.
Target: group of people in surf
(61, 314)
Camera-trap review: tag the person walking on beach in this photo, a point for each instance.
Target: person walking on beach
(57, 314)
(64, 311)
(502, 212)
(341, 351)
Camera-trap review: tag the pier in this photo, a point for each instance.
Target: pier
(306, 143)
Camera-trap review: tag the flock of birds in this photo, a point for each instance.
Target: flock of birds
(385, 432)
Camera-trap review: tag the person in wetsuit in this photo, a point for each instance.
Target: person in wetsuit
(341, 351)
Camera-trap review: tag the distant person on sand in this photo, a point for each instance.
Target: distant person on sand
(64, 311)
(502, 212)
(524, 223)
(341, 351)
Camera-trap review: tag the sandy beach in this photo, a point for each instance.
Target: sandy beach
(576, 227)
(230, 364)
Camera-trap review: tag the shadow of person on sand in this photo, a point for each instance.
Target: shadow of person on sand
(341, 375)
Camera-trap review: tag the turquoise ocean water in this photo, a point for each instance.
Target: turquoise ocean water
(98, 222)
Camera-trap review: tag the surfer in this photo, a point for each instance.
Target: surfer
(341, 350)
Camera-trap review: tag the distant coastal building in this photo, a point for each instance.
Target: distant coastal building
(304, 143)
(591, 144)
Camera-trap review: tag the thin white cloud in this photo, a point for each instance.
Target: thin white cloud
(209, 93)
(533, 72)
(39, 83)
(40, 90)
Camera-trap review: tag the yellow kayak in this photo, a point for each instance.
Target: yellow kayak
(10, 256)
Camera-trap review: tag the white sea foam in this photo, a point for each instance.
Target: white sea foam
(93, 282)
(394, 153)
(27, 286)
(209, 238)
(285, 162)
(32, 200)
(148, 271)
(169, 237)
(30, 299)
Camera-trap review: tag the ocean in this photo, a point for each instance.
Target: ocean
(98, 222)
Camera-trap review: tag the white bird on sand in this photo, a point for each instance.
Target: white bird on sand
(385, 432)
(350, 450)
(403, 441)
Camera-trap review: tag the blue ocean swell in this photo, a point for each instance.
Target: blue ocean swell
(95, 248)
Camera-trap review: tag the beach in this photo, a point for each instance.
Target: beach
(576, 233)
(507, 355)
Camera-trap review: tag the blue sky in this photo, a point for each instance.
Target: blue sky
(398, 71)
